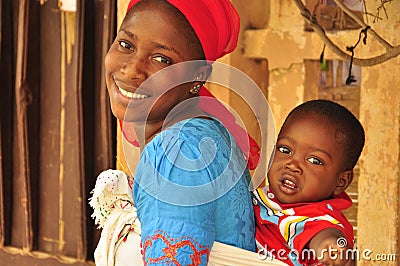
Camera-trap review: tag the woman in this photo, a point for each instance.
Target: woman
(191, 183)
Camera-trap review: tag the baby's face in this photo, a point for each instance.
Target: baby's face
(308, 161)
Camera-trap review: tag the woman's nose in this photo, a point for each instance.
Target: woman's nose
(134, 67)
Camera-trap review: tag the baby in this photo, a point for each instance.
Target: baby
(298, 216)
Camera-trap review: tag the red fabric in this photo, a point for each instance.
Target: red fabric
(249, 147)
(268, 227)
(129, 133)
(216, 24)
(172, 246)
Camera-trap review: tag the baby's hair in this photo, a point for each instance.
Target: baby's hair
(347, 124)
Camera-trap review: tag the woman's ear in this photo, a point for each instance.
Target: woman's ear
(203, 73)
(343, 182)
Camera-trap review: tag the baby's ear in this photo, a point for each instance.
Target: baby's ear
(343, 182)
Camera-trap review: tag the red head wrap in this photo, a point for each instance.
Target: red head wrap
(216, 23)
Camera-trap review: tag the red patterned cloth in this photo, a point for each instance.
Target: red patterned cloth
(285, 229)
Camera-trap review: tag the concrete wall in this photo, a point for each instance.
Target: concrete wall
(272, 50)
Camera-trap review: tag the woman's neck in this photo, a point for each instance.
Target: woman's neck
(147, 132)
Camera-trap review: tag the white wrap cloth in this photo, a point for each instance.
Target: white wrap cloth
(119, 244)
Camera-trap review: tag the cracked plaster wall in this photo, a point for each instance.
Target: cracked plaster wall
(285, 45)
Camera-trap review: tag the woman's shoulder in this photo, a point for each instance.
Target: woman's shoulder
(193, 131)
(198, 126)
(195, 139)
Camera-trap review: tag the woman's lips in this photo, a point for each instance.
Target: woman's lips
(132, 95)
(128, 92)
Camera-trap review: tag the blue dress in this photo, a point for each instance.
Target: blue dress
(191, 189)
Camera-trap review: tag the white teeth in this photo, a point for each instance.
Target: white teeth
(132, 95)
(289, 183)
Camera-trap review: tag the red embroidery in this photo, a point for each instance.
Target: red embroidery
(173, 245)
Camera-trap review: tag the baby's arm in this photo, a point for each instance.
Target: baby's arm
(332, 248)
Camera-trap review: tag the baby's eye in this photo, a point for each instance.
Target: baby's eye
(125, 44)
(163, 60)
(314, 160)
(283, 149)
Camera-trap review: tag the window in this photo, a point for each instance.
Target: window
(331, 17)
(335, 73)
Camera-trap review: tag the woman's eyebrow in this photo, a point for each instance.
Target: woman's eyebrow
(155, 44)
(167, 48)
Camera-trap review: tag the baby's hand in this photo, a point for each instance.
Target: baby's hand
(332, 248)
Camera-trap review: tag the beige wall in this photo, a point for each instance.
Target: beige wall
(272, 50)
(380, 114)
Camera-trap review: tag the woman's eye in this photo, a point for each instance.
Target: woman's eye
(163, 60)
(284, 150)
(316, 161)
(125, 44)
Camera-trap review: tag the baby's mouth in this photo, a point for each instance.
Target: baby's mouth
(288, 186)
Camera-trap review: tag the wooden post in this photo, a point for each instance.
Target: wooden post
(22, 100)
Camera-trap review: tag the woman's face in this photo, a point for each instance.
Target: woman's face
(149, 40)
(308, 162)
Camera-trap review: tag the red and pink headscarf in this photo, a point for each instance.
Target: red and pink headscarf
(217, 25)
(215, 22)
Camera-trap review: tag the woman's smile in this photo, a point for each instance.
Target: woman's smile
(127, 94)
(132, 95)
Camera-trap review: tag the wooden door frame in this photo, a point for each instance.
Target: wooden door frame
(21, 118)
